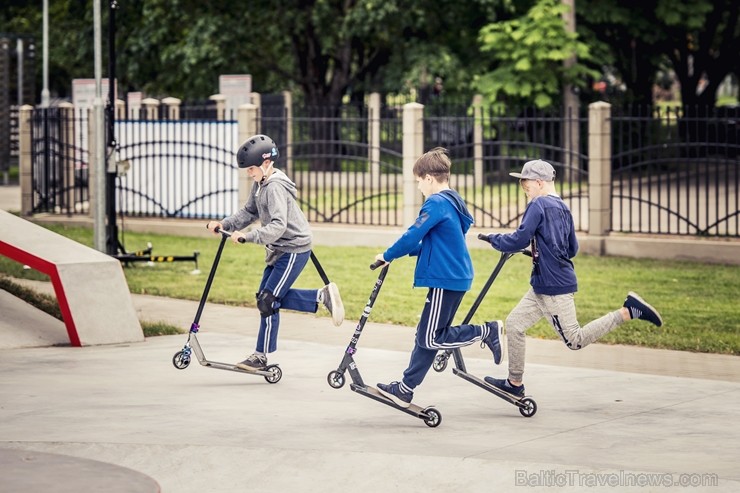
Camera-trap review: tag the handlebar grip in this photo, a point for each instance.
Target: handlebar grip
(482, 237)
(376, 264)
(217, 230)
(242, 240)
(528, 253)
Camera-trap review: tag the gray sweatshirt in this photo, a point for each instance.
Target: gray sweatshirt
(284, 227)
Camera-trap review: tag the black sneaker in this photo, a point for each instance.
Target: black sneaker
(505, 385)
(253, 362)
(333, 302)
(394, 393)
(638, 308)
(493, 340)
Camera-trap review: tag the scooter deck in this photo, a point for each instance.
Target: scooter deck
(375, 394)
(233, 367)
(511, 398)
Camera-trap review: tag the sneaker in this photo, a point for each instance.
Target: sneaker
(493, 341)
(333, 302)
(505, 385)
(253, 362)
(394, 393)
(641, 310)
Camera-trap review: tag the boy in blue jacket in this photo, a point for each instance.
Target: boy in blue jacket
(547, 228)
(444, 266)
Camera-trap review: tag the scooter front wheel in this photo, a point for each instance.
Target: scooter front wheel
(181, 360)
(275, 374)
(440, 362)
(335, 379)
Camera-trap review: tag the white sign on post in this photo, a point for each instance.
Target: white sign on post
(83, 92)
(237, 89)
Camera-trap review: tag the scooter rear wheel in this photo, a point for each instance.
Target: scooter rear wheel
(530, 409)
(275, 374)
(440, 362)
(434, 417)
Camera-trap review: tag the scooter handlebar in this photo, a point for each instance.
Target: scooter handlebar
(484, 237)
(376, 264)
(228, 233)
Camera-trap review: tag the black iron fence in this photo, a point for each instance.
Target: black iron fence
(674, 171)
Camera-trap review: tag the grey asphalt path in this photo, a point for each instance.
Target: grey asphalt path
(200, 429)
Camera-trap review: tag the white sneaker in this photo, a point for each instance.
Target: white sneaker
(333, 302)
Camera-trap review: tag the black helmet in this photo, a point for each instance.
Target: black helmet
(255, 150)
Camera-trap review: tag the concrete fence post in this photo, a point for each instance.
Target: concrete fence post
(151, 108)
(478, 140)
(287, 147)
(220, 100)
(413, 148)
(373, 122)
(25, 159)
(120, 110)
(173, 108)
(600, 169)
(247, 122)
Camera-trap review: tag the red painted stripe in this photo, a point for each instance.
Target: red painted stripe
(50, 269)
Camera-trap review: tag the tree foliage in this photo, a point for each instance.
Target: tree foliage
(530, 53)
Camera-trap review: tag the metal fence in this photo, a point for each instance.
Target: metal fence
(674, 171)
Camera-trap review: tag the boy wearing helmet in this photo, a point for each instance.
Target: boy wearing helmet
(287, 237)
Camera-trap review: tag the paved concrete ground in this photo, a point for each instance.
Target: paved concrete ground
(201, 429)
(610, 418)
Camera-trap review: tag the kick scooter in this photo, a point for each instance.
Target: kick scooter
(431, 416)
(181, 359)
(527, 406)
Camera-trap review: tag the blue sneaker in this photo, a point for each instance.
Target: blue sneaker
(638, 308)
(493, 341)
(505, 385)
(394, 393)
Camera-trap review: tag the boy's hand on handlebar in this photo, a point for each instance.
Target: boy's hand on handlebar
(486, 238)
(238, 237)
(214, 227)
(379, 261)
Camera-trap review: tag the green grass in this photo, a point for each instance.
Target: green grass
(698, 301)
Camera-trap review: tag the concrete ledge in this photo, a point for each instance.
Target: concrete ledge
(90, 287)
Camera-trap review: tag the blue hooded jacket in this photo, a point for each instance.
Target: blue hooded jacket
(438, 239)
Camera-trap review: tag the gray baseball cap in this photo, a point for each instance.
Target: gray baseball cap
(536, 170)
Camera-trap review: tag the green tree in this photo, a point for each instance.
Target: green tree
(699, 39)
(528, 53)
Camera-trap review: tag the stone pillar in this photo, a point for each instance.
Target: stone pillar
(151, 108)
(25, 159)
(247, 121)
(120, 110)
(600, 169)
(478, 140)
(373, 124)
(173, 108)
(287, 148)
(413, 148)
(220, 100)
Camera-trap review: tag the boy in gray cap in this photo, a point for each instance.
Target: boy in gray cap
(547, 228)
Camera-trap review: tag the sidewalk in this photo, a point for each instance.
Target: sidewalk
(197, 430)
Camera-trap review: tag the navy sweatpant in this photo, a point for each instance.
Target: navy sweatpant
(434, 333)
(278, 280)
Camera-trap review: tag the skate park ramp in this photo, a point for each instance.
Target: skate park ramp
(23, 325)
(90, 287)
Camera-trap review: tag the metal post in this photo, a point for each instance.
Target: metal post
(112, 243)
(99, 121)
(45, 81)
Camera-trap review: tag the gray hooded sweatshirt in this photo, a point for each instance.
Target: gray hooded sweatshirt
(284, 227)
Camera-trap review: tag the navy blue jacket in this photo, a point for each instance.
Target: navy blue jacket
(547, 227)
(438, 239)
